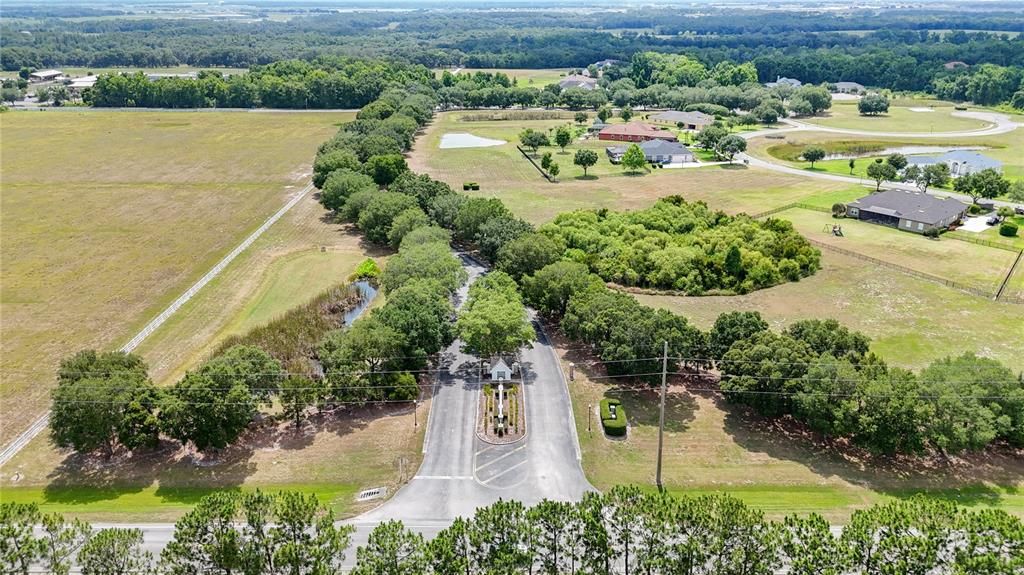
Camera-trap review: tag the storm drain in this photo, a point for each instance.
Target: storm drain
(375, 493)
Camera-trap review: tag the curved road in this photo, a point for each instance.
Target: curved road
(1001, 124)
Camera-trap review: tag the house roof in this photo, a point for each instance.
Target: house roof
(783, 80)
(973, 159)
(849, 85)
(578, 81)
(655, 148)
(84, 82)
(639, 129)
(46, 73)
(915, 206)
(674, 116)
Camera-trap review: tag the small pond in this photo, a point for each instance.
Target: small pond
(465, 140)
(905, 150)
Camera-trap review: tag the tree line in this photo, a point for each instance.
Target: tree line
(323, 83)
(624, 531)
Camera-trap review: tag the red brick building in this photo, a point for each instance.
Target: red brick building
(635, 132)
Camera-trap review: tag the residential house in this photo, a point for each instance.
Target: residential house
(46, 76)
(656, 152)
(955, 64)
(910, 211)
(597, 126)
(783, 81)
(78, 85)
(578, 81)
(960, 162)
(601, 65)
(688, 120)
(635, 132)
(848, 88)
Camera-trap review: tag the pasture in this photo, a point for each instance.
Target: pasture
(503, 172)
(109, 216)
(537, 78)
(971, 264)
(913, 118)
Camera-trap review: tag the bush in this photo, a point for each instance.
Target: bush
(367, 270)
(615, 427)
(975, 209)
(1008, 229)
(931, 233)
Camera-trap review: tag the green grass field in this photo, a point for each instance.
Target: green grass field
(109, 216)
(1003, 147)
(844, 114)
(968, 263)
(502, 172)
(523, 77)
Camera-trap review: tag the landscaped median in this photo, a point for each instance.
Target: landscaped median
(613, 417)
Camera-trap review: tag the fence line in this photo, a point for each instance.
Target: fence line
(981, 242)
(539, 169)
(1006, 280)
(906, 270)
(790, 206)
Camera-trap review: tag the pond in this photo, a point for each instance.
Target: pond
(367, 293)
(465, 140)
(905, 150)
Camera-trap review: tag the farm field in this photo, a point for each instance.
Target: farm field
(525, 77)
(503, 172)
(95, 245)
(975, 265)
(334, 456)
(844, 114)
(299, 257)
(895, 310)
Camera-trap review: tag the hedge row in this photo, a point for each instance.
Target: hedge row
(614, 426)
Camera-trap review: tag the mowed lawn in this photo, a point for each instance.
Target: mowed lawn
(966, 263)
(503, 172)
(1008, 148)
(108, 216)
(844, 114)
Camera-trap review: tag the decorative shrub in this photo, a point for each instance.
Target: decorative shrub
(931, 233)
(1008, 229)
(475, 186)
(615, 427)
(975, 209)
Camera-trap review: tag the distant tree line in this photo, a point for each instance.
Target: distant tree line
(900, 50)
(623, 531)
(324, 83)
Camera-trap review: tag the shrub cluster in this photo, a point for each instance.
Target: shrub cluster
(613, 424)
(685, 246)
(625, 530)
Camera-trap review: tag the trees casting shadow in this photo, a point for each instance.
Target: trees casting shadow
(982, 477)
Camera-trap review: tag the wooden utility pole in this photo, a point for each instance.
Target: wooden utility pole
(661, 417)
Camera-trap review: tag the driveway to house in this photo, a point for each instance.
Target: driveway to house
(1001, 125)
